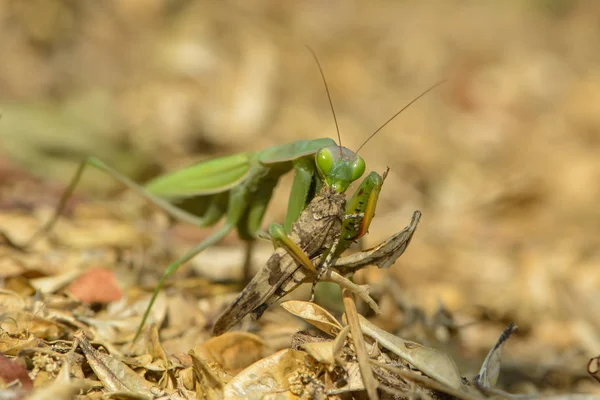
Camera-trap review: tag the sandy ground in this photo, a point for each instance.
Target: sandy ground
(501, 159)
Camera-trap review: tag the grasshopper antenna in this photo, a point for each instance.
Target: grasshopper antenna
(337, 128)
(429, 89)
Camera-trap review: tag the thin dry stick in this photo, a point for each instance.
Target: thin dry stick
(359, 345)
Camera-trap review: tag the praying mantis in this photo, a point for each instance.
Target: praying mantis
(238, 188)
(324, 230)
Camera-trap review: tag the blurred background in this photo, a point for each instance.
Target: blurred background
(502, 159)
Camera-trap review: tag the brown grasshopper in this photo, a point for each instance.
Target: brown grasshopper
(324, 230)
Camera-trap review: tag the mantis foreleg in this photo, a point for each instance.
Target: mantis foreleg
(359, 213)
(280, 239)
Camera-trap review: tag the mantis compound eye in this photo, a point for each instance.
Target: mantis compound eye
(324, 160)
(358, 168)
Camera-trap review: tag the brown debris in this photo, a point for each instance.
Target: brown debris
(502, 161)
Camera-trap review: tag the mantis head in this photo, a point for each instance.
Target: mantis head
(339, 166)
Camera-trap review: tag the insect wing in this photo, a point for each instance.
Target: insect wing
(260, 288)
(293, 150)
(204, 178)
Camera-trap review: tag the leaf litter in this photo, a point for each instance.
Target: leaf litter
(68, 332)
(507, 236)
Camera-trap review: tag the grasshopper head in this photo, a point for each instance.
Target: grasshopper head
(339, 166)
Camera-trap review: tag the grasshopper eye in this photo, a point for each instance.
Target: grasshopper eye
(358, 168)
(324, 160)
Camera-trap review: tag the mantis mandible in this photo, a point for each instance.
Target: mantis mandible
(239, 187)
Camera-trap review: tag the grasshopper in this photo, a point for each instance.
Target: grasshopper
(324, 230)
(238, 187)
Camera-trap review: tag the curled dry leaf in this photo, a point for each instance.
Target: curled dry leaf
(269, 375)
(593, 368)
(323, 352)
(431, 362)
(339, 342)
(490, 369)
(234, 351)
(314, 314)
(12, 344)
(384, 255)
(114, 375)
(217, 360)
(209, 377)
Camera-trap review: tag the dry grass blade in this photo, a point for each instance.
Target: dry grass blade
(359, 345)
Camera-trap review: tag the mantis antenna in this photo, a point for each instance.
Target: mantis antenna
(337, 128)
(429, 89)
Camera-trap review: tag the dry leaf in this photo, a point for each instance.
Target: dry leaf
(96, 285)
(354, 380)
(314, 315)
(12, 344)
(267, 376)
(53, 283)
(114, 375)
(63, 387)
(234, 351)
(11, 301)
(10, 372)
(209, 377)
(490, 369)
(323, 352)
(431, 362)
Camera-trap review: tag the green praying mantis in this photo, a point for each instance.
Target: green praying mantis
(238, 188)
